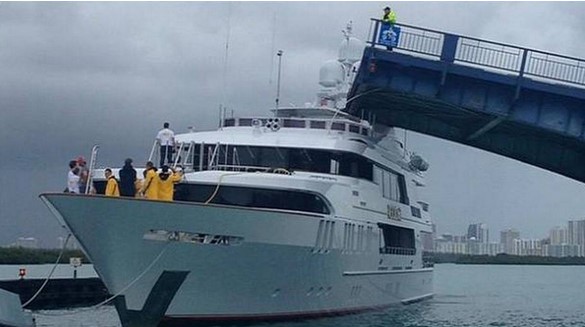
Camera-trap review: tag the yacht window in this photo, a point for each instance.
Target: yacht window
(294, 123)
(245, 122)
(253, 197)
(393, 186)
(415, 212)
(365, 131)
(229, 122)
(354, 129)
(353, 165)
(272, 157)
(397, 240)
(196, 156)
(338, 126)
(377, 178)
(317, 124)
(312, 160)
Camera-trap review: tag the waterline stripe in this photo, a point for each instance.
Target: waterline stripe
(385, 272)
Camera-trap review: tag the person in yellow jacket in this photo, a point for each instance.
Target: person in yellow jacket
(150, 185)
(112, 187)
(389, 16)
(166, 183)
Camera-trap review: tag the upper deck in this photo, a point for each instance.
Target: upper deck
(292, 132)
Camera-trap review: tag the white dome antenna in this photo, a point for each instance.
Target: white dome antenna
(336, 76)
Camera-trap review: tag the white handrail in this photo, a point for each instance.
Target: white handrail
(152, 151)
(92, 162)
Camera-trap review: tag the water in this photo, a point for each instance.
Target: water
(466, 295)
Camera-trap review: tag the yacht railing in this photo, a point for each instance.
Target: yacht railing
(212, 157)
(397, 250)
(154, 151)
(453, 48)
(92, 163)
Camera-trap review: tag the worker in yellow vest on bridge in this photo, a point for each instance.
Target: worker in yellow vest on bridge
(389, 19)
(389, 16)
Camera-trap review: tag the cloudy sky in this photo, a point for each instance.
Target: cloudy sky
(74, 74)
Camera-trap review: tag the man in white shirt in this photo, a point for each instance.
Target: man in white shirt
(166, 139)
(73, 177)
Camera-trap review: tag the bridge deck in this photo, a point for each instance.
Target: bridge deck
(525, 104)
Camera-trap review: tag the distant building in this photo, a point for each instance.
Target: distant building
(507, 238)
(447, 237)
(27, 242)
(72, 244)
(479, 232)
(576, 234)
(528, 247)
(562, 250)
(478, 248)
(558, 236)
(450, 247)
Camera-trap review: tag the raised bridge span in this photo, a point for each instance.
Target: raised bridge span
(521, 103)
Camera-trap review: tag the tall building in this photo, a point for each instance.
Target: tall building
(576, 232)
(558, 236)
(478, 232)
(507, 238)
(528, 247)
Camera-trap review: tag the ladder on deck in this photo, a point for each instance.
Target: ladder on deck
(92, 163)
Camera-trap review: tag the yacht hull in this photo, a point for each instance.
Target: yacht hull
(242, 263)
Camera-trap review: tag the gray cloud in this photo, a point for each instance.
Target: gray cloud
(74, 74)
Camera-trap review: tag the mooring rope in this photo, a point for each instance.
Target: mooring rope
(124, 289)
(50, 273)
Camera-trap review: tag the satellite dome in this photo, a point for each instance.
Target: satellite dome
(331, 74)
(351, 50)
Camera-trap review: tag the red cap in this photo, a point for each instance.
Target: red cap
(80, 159)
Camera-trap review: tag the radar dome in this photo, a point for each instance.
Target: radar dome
(351, 50)
(331, 74)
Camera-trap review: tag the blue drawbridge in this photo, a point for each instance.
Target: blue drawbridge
(521, 103)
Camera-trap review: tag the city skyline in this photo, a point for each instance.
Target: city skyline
(561, 241)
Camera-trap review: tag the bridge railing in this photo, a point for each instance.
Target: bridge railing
(454, 48)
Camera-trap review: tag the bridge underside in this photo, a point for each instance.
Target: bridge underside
(538, 123)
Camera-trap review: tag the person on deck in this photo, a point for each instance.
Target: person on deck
(73, 178)
(166, 139)
(150, 185)
(83, 173)
(166, 183)
(127, 179)
(112, 188)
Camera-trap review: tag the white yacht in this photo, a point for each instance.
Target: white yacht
(308, 212)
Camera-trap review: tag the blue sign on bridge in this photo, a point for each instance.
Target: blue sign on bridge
(389, 35)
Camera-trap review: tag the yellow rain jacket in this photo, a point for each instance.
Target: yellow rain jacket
(150, 185)
(390, 18)
(166, 187)
(112, 188)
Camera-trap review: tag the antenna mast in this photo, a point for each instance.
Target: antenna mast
(279, 54)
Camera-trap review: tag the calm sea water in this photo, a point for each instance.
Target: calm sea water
(466, 295)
